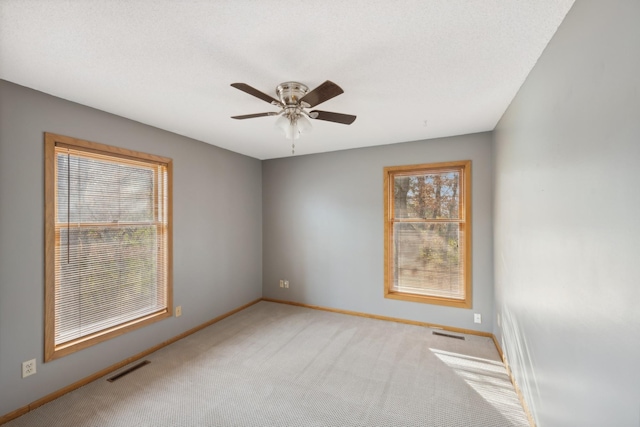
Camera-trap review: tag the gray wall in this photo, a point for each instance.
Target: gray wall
(217, 236)
(567, 222)
(323, 228)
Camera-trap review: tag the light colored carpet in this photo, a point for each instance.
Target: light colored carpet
(279, 365)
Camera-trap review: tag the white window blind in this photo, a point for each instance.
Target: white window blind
(111, 222)
(428, 234)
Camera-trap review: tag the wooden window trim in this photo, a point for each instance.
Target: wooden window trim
(51, 350)
(465, 201)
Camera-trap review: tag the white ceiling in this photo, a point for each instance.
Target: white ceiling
(410, 69)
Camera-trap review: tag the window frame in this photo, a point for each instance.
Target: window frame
(390, 172)
(126, 156)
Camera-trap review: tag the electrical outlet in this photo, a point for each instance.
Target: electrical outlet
(282, 283)
(286, 284)
(28, 368)
(178, 311)
(498, 320)
(477, 318)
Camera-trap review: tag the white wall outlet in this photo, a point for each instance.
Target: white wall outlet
(477, 318)
(286, 283)
(498, 320)
(28, 368)
(282, 283)
(178, 311)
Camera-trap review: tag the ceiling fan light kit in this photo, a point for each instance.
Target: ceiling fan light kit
(293, 121)
(294, 99)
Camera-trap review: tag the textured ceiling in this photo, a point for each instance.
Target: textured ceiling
(410, 70)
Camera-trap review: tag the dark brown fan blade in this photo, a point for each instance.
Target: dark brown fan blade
(345, 119)
(255, 92)
(322, 93)
(251, 116)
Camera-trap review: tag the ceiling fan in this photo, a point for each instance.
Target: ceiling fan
(294, 99)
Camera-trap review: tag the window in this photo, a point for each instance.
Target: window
(107, 242)
(427, 228)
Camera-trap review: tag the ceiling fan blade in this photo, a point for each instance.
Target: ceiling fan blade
(322, 93)
(255, 92)
(345, 119)
(252, 116)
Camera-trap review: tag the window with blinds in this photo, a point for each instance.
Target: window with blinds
(428, 233)
(108, 242)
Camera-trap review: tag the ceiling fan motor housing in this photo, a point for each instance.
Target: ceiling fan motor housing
(290, 93)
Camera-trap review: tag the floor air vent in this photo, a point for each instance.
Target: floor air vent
(128, 371)
(458, 337)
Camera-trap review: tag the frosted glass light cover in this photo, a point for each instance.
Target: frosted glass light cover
(304, 125)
